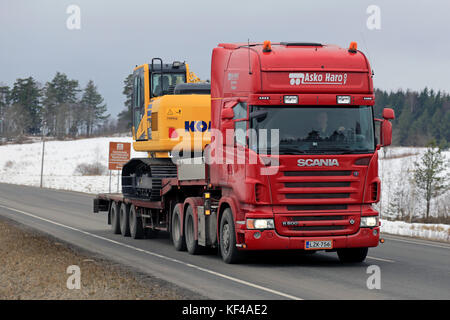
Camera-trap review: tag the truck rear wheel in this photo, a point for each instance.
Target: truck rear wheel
(177, 239)
(124, 220)
(136, 228)
(115, 219)
(352, 254)
(227, 239)
(189, 232)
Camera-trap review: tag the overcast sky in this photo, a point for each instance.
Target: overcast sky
(411, 50)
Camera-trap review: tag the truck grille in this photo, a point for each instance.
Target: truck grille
(317, 224)
(314, 202)
(317, 173)
(317, 195)
(314, 185)
(318, 228)
(319, 207)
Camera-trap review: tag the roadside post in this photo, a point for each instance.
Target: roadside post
(119, 154)
(43, 152)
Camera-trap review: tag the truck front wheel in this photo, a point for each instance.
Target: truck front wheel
(352, 254)
(227, 239)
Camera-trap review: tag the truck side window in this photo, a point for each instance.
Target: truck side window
(240, 130)
(240, 111)
(240, 127)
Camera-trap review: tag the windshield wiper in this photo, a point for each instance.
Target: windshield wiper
(345, 150)
(291, 150)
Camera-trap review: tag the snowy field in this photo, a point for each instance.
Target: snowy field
(400, 198)
(21, 164)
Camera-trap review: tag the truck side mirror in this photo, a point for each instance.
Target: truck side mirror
(386, 133)
(386, 127)
(388, 114)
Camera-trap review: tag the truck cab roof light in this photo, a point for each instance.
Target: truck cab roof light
(353, 48)
(267, 47)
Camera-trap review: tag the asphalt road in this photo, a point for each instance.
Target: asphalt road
(409, 268)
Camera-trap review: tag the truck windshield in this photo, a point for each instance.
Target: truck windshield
(160, 83)
(313, 130)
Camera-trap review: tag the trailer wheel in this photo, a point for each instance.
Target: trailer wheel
(124, 220)
(227, 239)
(136, 228)
(352, 254)
(189, 232)
(177, 239)
(115, 219)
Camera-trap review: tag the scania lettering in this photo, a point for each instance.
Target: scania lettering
(318, 162)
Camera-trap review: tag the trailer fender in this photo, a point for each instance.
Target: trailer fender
(194, 202)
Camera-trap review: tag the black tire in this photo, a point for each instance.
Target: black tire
(136, 228)
(227, 239)
(189, 232)
(352, 255)
(124, 220)
(178, 240)
(115, 218)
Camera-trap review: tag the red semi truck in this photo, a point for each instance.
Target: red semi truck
(304, 111)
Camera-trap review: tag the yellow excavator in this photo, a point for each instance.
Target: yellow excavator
(171, 106)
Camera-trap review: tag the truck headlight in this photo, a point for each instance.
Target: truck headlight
(371, 221)
(260, 224)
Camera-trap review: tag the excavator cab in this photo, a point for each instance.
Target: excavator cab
(151, 81)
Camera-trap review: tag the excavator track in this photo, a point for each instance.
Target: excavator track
(142, 177)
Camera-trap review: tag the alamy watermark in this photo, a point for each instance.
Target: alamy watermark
(73, 21)
(74, 280)
(374, 19)
(234, 147)
(374, 280)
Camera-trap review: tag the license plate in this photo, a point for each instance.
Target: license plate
(322, 244)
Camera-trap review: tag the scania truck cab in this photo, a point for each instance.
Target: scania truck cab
(305, 111)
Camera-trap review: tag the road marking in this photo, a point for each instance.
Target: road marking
(380, 259)
(249, 284)
(417, 242)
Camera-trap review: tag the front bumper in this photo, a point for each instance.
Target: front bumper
(270, 240)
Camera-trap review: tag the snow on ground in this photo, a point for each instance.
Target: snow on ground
(440, 232)
(21, 164)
